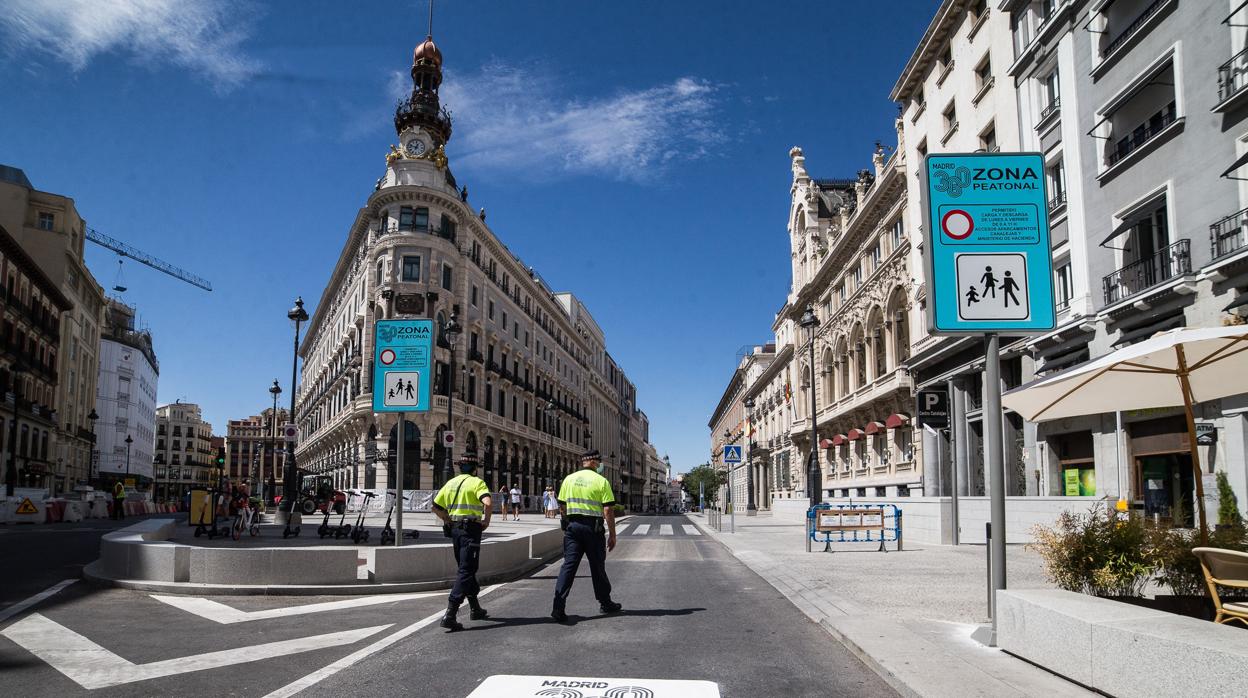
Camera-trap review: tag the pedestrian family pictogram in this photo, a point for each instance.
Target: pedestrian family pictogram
(402, 388)
(992, 286)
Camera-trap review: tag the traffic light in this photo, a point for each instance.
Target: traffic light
(220, 456)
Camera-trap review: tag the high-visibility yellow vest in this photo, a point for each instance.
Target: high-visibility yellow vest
(461, 497)
(585, 493)
(119, 491)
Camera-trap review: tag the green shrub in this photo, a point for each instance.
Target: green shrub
(1228, 508)
(1098, 553)
(1176, 567)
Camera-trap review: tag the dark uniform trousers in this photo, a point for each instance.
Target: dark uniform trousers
(581, 538)
(466, 542)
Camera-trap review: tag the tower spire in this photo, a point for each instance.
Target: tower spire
(422, 109)
(430, 32)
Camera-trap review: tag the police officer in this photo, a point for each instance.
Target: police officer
(463, 504)
(585, 500)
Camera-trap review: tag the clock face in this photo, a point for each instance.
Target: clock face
(415, 147)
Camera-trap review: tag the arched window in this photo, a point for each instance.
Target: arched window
(381, 271)
(899, 324)
(879, 347)
(859, 349)
(827, 375)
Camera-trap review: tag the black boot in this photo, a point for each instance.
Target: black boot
(476, 612)
(558, 614)
(610, 607)
(448, 620)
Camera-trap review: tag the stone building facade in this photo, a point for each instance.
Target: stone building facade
(533, 383)
(183, 455)
(254, 448)
(126, 398)
(30, 341)
(52, 232)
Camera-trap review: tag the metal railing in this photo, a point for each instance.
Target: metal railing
(1233, 76)
(1126, 34)
(1142, 134)
(1058, 199)
(1229, 234)
(1143, 274)
(1054, 106)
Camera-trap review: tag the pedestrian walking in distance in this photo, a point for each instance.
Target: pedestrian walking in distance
(586, 503)
(463, 505)
(515, 502)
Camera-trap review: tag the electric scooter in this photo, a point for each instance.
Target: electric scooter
(343, 529)
(360, 533)
(388, 534)
(324, 529)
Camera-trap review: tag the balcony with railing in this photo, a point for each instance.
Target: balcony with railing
(1057, 200)
(1229, 234)
(1054, 106)
(1233, 76)
(1133, 27)
(1142, 134)
(1146, 273)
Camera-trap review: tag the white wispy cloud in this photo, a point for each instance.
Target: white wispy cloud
(508, 118)
(204, 36)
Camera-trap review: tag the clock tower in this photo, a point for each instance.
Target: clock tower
(422, 124)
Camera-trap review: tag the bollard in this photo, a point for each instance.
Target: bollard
(988, 548)
(899, 530)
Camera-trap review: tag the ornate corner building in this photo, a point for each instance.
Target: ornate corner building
(533, 383)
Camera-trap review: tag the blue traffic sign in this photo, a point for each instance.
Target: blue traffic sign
(989, 261)
(402, 361)
(732, 454)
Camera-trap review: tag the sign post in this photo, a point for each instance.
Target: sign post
(403, 355)
(990, 270)
(732, 458)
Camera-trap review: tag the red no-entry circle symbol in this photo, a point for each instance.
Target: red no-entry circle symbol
(387, 356)
(957, 224)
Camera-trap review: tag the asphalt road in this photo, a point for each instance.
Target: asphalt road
(692, 612)
(38, 556)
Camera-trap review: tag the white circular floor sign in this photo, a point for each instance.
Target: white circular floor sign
(957, 224)
(510, 686)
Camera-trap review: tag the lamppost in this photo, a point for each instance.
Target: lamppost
(732, 512)
(750, 508)
(290, 487)
(450, 331)
(814, 479)
(275, 390)
(128, 442)
(92, 465)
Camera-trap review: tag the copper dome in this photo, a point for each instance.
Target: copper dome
(427, 51)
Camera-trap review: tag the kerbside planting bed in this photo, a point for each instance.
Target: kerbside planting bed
(144, 556)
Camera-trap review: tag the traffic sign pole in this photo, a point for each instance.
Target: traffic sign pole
(995, 455)
(400, 442)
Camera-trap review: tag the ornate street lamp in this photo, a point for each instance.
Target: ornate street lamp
(275, 390)
(451, 331)
(814, 479)
(290, 487)
(750, 508)
(128, 442)
(547, 410)
(92, 465)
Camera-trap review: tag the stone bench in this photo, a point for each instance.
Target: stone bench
(1121, 649)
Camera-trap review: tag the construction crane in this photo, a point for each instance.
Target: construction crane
(125, 250)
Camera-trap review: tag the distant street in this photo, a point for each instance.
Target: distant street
(692, 612)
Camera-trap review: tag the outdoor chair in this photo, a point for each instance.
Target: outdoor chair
(1228, 568)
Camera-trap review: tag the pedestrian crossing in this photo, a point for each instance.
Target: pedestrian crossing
(661, 530)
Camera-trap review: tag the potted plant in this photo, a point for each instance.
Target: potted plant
(1178, 569)
(1097, 553)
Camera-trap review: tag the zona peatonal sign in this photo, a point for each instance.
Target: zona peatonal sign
(989, 261)
(402, 351)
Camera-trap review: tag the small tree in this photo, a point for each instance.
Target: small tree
(1228, 508)
(709, 478)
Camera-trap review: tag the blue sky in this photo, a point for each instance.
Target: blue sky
(635, 153)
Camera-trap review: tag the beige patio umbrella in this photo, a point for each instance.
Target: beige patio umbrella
(1176, 367)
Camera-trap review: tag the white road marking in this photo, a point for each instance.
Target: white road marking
(220, 613)
(666, 530)
(511, 686)
(627, 530)
(27, 603)
(91, 666)
(641, 530)
(690, 530)
(359, 655)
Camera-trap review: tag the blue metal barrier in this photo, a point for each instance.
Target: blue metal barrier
(853, 523)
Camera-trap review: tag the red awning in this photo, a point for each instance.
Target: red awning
(824, 443)
(875, 427)
(855, 434)
(896, 420)
(839, 439)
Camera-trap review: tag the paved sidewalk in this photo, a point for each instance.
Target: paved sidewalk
(909, 615)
